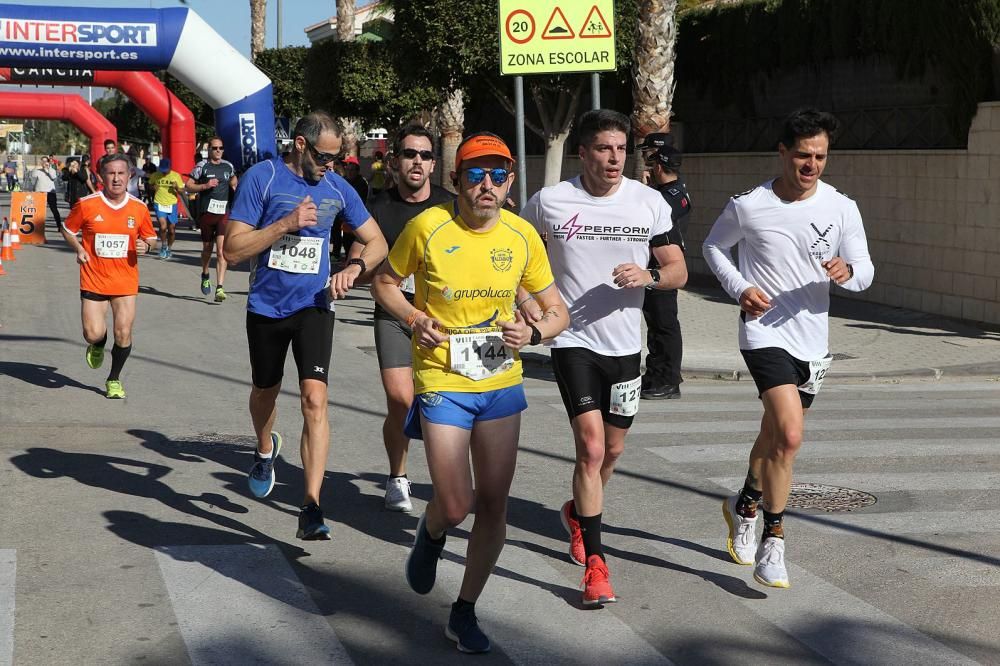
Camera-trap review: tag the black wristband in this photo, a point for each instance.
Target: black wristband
(536, 335)
(358, 261)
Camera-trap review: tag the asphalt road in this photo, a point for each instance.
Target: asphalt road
(128, 534)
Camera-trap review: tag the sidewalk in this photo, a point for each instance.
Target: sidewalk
(869, 341)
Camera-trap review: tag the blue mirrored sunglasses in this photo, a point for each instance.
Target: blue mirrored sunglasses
(476, 175)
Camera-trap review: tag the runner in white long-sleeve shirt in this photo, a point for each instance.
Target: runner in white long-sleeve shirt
(796, 235)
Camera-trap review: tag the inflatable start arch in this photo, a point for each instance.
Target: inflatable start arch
(174, 39)
(71, 108)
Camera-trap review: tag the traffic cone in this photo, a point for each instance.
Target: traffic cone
(7, 252)
(15, 235)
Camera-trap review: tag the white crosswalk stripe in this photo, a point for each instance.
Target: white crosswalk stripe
(833, 623)
(8, 579)
(823, 449)
(225, 596)
(558, 633)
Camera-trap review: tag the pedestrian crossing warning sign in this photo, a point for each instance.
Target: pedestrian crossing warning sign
(595, 25)
(558, 27)
(557, 36)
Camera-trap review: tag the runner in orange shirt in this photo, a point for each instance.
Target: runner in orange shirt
(115, 228)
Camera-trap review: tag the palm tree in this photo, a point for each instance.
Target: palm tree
(653, 71)
(345, 20)
(258, 26)
(451, 123)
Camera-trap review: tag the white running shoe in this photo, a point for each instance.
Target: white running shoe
(770, 569)
(742, 539)
(397, 494)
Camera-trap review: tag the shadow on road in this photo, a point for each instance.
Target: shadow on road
(44, 376)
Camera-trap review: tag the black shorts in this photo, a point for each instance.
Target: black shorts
(92, 296)
(585, 379)
(773, 366)
(310, 332)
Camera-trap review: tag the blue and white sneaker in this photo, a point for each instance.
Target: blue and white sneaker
(311, 525)
(261, 478)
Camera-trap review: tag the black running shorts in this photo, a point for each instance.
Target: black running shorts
(392, 344)
(310, 332)
(773, 366)
(585, 379)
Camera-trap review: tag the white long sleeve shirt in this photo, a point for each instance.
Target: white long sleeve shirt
(781, 247)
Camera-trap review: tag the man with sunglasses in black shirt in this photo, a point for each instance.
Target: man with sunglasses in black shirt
(413, 193)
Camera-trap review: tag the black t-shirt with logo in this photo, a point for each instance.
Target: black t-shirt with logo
(392, 213)
(203, 172)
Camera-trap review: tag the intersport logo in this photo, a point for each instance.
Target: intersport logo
(77, 33)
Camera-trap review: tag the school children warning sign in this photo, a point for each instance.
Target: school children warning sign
(546, 37)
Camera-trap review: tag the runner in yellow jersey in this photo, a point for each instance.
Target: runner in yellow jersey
(468, 259)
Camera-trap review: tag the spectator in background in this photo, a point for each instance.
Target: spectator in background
(77, 183)
(377, 180)
(45, 177)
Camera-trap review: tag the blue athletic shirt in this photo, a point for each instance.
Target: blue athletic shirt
(269, 191)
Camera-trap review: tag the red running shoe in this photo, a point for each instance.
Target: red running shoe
(577, 554)
(596, 585)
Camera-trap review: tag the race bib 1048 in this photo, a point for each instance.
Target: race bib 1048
(480, 355)
(296, 254)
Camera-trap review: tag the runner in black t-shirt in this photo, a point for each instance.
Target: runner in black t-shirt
(413, 161)
(214, 180)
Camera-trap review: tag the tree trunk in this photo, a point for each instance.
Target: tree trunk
(555, 148)
(258, 26)
(352, 132)
(653, 71)
(451, 121)
(345, 20)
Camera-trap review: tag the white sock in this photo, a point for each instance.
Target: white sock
(267, 455)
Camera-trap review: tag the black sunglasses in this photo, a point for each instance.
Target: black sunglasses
(215, 148)
(476, 175)
(323, 158)
(410, 153)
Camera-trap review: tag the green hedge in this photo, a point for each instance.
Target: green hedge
(721, 50)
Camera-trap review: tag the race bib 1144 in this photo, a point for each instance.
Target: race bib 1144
(480, 355)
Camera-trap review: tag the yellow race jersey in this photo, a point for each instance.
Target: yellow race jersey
(163, 183)
(467, 280)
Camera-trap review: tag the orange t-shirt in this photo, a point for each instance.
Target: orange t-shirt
(109, 233)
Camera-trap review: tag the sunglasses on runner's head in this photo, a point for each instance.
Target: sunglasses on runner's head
(476, 175)
(410, 153)
(323, 158)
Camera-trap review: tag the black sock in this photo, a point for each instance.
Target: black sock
(436, 542)
(591, 528)
(204, 276)
(102, 342)
(746, 503)
(118, 357)
(772, 524)
(461, 605)
(312, 506)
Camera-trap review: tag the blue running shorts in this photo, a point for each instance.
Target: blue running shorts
(463, 409)
(168, 213)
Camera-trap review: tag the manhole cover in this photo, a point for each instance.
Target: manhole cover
(820, 497)
(214, 439)
(843, 357)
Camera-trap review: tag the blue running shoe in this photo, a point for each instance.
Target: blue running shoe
(463, 628)
(421, 564)
(206, 284)
(311, 525)
(261, 477)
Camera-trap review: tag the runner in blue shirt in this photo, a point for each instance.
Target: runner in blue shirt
(281, 221)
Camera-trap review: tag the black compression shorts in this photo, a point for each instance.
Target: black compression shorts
(585, 379)
(310, 332)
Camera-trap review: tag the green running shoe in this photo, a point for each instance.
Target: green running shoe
(95, 356)
(115, 390)
(220, 294)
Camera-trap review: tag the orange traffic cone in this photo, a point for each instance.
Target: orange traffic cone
(15, 235)
(6, 252)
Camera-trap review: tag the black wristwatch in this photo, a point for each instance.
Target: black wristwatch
(358, 261)
(536, 335)
(655, 274)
